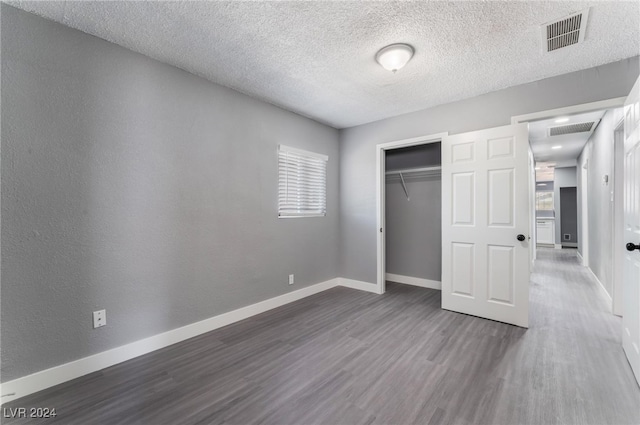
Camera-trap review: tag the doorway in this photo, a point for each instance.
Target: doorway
(584, 234)
(413, 225)
(381, 180)
(617, 215)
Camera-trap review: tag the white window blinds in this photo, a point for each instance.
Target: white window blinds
(302, 183)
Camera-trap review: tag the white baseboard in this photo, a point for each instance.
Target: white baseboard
(415, 281)
(38, 381)
(359, 285)
(580, 257)
(557, 246)
(601, 286)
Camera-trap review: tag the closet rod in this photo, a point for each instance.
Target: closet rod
(404, 186)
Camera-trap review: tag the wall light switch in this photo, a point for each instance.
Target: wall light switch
(291, 279)
(99, 318)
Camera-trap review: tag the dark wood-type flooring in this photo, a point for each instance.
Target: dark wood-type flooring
(350, 357)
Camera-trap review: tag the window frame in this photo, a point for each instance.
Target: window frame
(308, 156)
(552, 200)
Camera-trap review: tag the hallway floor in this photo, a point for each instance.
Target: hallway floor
(350, 357)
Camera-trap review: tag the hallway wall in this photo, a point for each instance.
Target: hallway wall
(598, 153)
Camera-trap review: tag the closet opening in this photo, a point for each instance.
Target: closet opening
(410, 212)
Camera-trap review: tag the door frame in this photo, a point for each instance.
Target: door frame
(380, 197)
(612, 103)
(584, 216)
(617, 217)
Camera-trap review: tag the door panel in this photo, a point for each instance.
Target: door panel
(501, 207)
(631, 202)
(463, 269)
(501, 277)
(485, 205)
(463, 199)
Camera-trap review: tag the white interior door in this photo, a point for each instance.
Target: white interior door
(485, 206)
(631, 201)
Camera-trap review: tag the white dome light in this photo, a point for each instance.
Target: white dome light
(395, 56)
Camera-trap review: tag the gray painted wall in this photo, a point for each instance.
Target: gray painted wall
(563, 177)
(139, 188)
(413, 236)
(358, 157)
(569, 212)
(413, 227)
(598, 152)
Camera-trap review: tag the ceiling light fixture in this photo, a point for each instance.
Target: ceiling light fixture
(542, 184)
(395, 56)
(559, 120)
(556, 147)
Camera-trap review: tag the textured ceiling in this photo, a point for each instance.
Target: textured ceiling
(317, 58)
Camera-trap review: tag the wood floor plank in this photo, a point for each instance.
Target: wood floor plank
(350, 357)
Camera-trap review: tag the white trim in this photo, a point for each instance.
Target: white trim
(380, 196)
(359, 285)
(557, 246)
(303, 152)
(570, 110)
(584, 219)
(617, 218)
(56, 375)
(579, 257)
(601, 285)
(415, 281)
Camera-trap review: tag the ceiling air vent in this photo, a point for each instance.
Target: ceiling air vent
(582, 127)
(565, 32)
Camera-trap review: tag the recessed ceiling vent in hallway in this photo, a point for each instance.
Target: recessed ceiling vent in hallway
(566, 31)
(582, 127)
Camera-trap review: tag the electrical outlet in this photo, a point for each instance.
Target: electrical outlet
(99, 318)
(291, 279)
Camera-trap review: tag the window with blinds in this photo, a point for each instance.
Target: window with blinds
(302, 183)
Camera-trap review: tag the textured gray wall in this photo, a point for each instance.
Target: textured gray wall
(134, 186)
(413, 228)
(358, 157)
(599, 153)
(563, 177)
(569, 213)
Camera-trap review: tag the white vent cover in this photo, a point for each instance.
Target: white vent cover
(582, 127)
(565, 32)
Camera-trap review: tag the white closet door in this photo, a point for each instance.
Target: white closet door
(631, 202)
(485, 206)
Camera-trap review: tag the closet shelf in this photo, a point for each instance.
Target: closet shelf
(435, 169)
(412, 173)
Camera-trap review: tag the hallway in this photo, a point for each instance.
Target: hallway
(570, 362)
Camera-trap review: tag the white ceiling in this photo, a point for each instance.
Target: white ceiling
(317, 58)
